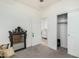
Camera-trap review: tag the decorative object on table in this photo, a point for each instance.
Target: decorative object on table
(18, 38)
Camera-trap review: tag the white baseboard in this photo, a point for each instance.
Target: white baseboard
(33, 44)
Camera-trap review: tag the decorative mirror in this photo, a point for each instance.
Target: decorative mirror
(18, 38)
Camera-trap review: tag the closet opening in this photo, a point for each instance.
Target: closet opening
(62, 31)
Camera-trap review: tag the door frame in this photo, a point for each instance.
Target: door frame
(67, 29)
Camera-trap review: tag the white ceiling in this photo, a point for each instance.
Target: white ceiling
(37, 4)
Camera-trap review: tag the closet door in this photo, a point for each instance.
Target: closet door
(73, 33)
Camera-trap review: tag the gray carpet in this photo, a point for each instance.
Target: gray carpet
(41, 51)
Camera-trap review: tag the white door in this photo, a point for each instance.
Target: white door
(73, 33)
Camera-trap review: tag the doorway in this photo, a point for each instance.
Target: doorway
(44, 29)
(62, 31)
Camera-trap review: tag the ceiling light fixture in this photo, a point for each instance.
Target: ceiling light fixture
(41, 0)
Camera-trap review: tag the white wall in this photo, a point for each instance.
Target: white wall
(36, 30)
(52, 32)
(51, 13)
(13, 14)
